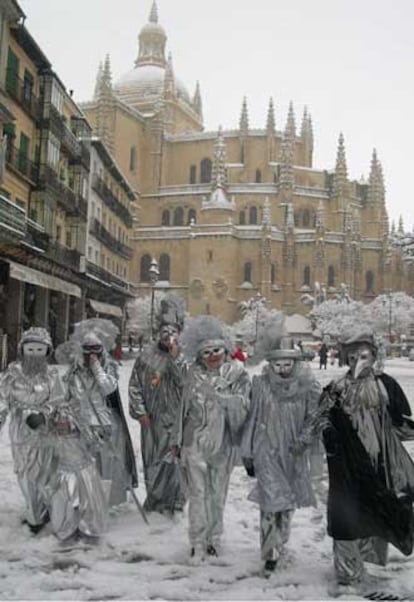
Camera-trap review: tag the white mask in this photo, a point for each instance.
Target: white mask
(33, 349)
(283, 366)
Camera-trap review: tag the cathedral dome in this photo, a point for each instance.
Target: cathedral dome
(145, 83)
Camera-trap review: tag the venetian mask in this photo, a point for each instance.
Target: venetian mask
(168, 335)
(213, 357)
(283, 366)
(35, 349)
(360, 360)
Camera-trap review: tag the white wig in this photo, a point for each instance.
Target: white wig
(202, 332)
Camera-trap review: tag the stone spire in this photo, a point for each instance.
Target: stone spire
(306, 134)
(271, 122)
(218, 197)
(169, 80)
(341, 171)
(197, 101)
(98, 81)
(153, 18)
(376, 190)
(320, 218)
(104, 126)
(305, 123)
(267, 214)
(400, 225)
(244, 118)
(290, 129)
(152, 40)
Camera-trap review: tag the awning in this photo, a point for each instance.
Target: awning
(106, 308)
(22, 272)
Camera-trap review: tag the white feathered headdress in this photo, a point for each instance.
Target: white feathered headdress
(202, 332)
(92, 330)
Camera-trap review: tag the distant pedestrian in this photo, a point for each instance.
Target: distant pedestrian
(323, 356)
(130, 342)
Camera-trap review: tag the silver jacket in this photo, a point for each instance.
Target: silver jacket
(33, 449)
(91, 385)
(214, 409)
(155, 390)
(281, 416)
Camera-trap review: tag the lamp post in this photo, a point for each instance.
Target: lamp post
(258, 300)
(388, 298)
(153, 275)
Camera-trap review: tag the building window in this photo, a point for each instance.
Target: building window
(369, 281)
(192, 216)
(28, 84)
(69, 238)
(193, 174)
(53, 151)
(57, 96)
(164, 267)
(252, 215)
(273, 273)
(178, 216)
(331, 276)
(133, 158)
(306, 218)
(209, 256)
(145, 267)
(258, 178)
(247, 272)
(307, 276)
(12, 72)
(23, 153)
(205, 171)
(165, 219)
(242, 218)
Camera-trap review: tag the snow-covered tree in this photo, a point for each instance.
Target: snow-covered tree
(392, 313)
(335, 318)
(139, 315)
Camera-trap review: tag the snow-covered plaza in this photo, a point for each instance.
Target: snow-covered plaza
(139, 562)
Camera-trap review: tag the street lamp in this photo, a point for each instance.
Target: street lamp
(154, 273)
(258, 300)
(388, 298)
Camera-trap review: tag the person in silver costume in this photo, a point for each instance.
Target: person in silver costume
(92, 389)
(207, 433)
(277, 436)
(29, 392)
(365, 416)
(155, 390)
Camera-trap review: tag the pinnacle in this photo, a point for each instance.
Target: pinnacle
(153, 18)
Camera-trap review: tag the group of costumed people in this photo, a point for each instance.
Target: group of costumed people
(200, 415)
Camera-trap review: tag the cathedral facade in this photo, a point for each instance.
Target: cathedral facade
(231, 213)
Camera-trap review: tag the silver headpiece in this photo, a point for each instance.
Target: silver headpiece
(172, 311)
(273, 341)
(94, 330)
(35, 334)
(202, 332)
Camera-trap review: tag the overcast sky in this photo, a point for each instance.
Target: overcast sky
(350, 61)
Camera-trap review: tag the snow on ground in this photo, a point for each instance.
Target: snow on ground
(139, 562)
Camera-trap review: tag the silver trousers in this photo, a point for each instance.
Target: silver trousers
(349, 557)
(207, 487)
(274, 533)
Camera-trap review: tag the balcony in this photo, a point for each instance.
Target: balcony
(12, 219)
(22, 92)
(19, 162)
(70, 142)
(36, 236)
(102, 234)
(65, 196)
(83, 158)
(95, 270)
(111, 201)
(69, 258)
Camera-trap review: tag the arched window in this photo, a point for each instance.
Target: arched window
(192, 215)
(165, 220)
(205, 171)
(242, 218)
(307, 275)
(306, 218)
(193, 174)
(273, 273)
(247, 272)
(296, 218)
(258, 176)
(133, 158)
(369, 281)
(331, 276)
(178, 216)
(145, 267)
(252, 215)
(164, 266)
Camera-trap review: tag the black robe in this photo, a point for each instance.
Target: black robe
(114, 401)
(360, 504)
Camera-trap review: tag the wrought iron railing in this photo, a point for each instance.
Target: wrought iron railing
(105, 276)
(102, 234)
(22, 92)
(111, 201)
(19, 161)
(12, 218)
(48, 179)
